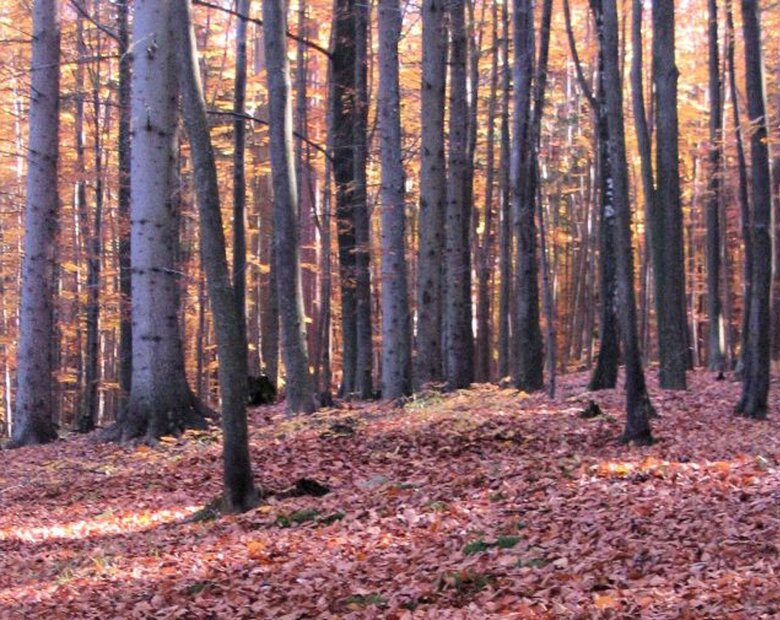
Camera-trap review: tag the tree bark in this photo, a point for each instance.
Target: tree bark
(239, 493)
(33, 417)
(755, 383)
(288, 274)
(396, 323)
(638, 407)
(458, 339)
(667, 234)
(714, 315)
(433, 195)
(529, 359)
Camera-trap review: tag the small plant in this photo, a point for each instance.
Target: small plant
(476, 546)
(198, 587)
(468, 581)
(332, 518)
(297, 517)
(365, 600)
(507, 542)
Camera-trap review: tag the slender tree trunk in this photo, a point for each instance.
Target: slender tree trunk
(364, 345)
(638, 406)
(396, 320)
(667, 235)
(755, 383)
(529, 360)
(33, 418)
(342, 100)
(239, 171)
(714, 316)
(459, 343)
(299, 389)
(744, 199)
(433, 195)
(484, 264)
(239, 493)
(123, 206)
(505, 229)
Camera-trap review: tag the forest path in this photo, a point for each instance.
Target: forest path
(476, 504)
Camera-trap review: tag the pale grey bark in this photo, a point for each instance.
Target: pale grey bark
(433, 194)
(33, 418)
(239, 493)
(160, 399)
(287, 261)
(396, 324)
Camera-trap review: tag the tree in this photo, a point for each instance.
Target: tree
(160, 400)
(33, 416)
(396, 320)
(667, 232)
(528, 349)
(755, 382)
(433, 194)
(638, 407)
(239, 494)
(714, 350)
(288, 274)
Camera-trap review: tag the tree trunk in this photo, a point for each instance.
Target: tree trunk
(529, 360)
(123, 207)
(755, 383)
(364, 337)
(239, 172)
(638, 407)
(667, 234)
(288, 273)
(33, 419)
(714, 317)
(239, 494)
(459, 344)
(342, 100)
(433, 195)
(396, 324)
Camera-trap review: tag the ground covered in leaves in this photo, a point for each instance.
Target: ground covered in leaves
(483, 503)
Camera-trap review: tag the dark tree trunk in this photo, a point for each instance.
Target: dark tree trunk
(528, 349)
(458, 335)
(505, 227)
(343, 98)
(638, 407)
(714, 316)
(239, 493)
(755, 383)
(363, 327)
(433, 195)
(667, 234)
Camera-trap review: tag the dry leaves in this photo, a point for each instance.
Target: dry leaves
(470, 505)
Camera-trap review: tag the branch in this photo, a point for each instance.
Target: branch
(259, 22)
(83, 12)
(260, 121)
(577, 65)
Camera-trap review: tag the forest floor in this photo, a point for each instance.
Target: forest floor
(483, 503)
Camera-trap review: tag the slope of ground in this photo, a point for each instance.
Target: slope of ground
(483, 503)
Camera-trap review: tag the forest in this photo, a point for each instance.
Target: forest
(449, 308)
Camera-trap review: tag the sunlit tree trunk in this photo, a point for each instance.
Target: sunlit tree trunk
(288, 273)
(433, 195)
(33, 418)
(755, 384)
(396, 321)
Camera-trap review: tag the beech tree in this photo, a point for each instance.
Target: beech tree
(396, 320)
(755, 383)
(299, 389)
(33, 417)
(239, 494)
(433, 195)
